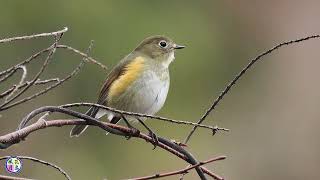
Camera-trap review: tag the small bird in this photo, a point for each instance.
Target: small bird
(138, 83)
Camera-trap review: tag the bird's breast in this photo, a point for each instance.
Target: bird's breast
(146, 94)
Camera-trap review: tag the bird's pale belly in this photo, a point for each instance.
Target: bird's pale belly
(145, 95)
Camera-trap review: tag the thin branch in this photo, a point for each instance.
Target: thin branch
(10, 71)
(190, 158)
(34, 36)
(23, 77)
(35, 78)
(240, 74)
(41, 162)
(38, 82)
(73, 73)
(3, 177)
(181, 171)
(90, 59)
(213, 128)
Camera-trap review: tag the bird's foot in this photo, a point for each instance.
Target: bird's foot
(155, 140)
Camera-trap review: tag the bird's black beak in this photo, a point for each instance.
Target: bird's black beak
(176, 46)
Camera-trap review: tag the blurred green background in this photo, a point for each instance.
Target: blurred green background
(273, 112)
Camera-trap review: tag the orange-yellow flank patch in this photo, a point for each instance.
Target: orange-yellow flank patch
(132, 71)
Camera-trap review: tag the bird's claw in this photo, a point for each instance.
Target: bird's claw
(155, 140)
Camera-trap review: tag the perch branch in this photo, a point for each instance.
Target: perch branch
(23, 131)
(213, 128)
(15, 137)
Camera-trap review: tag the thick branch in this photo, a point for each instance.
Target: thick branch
(16, 136)
(22, 132)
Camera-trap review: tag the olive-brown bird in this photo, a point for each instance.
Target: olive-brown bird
(138, 83)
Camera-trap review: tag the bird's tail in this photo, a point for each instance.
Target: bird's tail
(77, 130)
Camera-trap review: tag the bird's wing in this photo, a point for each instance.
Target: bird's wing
(115, 73)
(121, 77)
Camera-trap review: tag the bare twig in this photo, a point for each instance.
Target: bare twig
(35, 78)
(181, 171)
(41, 162)
(73, 73)
(38, 82)
(84, 55)
(3, 177)
(213, 128)
(240, 74)
(23, 77)
(10, 71)
(34, 36)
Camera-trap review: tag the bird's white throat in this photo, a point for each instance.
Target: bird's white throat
(168, 60)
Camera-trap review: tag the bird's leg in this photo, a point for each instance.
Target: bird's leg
(134, 130)
(151, 133)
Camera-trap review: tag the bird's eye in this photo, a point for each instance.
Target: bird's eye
(163, 44)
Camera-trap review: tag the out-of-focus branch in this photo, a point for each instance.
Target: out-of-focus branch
(181, 171)
(240, 74)
(3, 177)
(41, 162)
